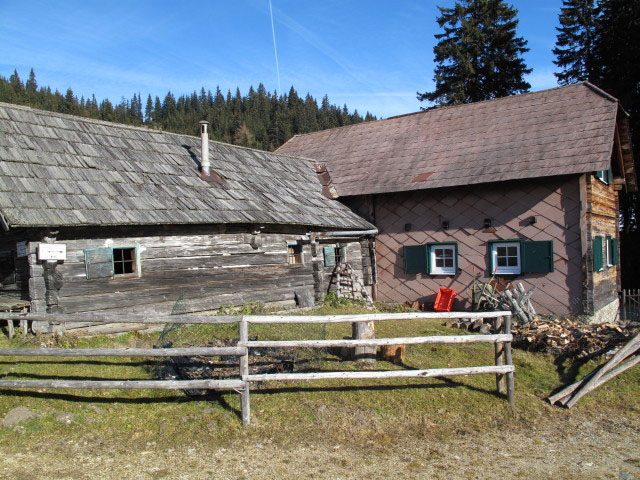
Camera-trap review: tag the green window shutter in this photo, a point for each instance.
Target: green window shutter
(597, 254)
(329, 256)
(98, 262)
(614, 250)
(415, 259)
(537, 257)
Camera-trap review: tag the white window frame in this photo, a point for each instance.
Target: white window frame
(513, 270)
(609, 251)
(433, 269)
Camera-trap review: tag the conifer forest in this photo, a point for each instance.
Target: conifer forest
(259, 119)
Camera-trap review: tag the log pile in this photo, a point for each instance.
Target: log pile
(568, 338)
(497, 296)
(559, 337)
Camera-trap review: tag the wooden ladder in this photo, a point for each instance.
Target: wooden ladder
(348, 284)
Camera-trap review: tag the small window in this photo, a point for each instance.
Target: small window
(604, 176)
(110, 262)
(334, 256)
(505, 258)
(295, 254)
(124, 261)
(442, 259)
(609, 250)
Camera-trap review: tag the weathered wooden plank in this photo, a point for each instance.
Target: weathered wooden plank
(366, 317)
(449, 339)
(126, 384)
(122, 352)
(434, 372)
(122, 318)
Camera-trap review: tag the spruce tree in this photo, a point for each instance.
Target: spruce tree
(478, 55)
(574, 48)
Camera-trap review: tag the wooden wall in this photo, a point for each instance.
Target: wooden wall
(183, 269)
(601, 220)
(14, 271)
(415, 218)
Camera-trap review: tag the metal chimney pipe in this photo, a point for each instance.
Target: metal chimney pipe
(204, 136)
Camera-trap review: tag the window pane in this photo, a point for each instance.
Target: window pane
(448, 262)
(448, 253)
(512, 262)
(502, 251)
(502, 262)
(439, 262)
(513, 251)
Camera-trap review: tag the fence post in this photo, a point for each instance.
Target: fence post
(511, 389)
(501, 382)
(243, 337)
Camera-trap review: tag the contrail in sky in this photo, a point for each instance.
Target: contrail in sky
(275, 50)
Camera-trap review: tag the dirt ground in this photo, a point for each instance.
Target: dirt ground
(575, 448)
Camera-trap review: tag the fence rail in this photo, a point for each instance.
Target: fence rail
(503, 368)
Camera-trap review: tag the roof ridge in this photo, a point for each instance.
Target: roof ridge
(461, 105)
(107, 123)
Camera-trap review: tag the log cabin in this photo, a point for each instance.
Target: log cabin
(521, 189)
(102, 217)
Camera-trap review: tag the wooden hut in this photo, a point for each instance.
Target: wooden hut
(98, 216)
(523, 187)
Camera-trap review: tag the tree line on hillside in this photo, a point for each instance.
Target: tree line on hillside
(259, 119)
(478, 57)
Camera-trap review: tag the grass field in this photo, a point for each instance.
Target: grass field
(378, 416)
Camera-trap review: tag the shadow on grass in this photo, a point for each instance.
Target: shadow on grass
(213, 396)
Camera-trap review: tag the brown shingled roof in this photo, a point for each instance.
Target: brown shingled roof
(565, 130)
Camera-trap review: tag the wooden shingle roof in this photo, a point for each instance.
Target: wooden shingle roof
(62, 170)
(565, 130)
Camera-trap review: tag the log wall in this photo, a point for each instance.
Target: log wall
(601, 220)
(183, 270)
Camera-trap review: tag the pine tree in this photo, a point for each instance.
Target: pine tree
(574, 48)
(148, 110)
(478, 56)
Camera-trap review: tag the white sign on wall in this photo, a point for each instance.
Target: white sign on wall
(52, 251)
(21, 249)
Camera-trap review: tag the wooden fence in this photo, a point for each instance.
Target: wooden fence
(630, 304)
(503, 368)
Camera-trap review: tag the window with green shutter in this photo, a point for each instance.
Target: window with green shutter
(597, 253)
(513, 257)
(112, 262)
(614, 250)
(537, 257)
(415, 259)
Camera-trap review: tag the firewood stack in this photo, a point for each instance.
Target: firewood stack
(565, 337)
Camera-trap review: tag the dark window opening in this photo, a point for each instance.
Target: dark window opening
(295, 254)
(124, 261)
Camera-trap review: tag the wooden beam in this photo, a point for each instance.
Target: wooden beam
(380, 341)
(434, 372)
(126, 384)
(121, 352)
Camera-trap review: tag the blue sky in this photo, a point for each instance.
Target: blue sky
(372, 55)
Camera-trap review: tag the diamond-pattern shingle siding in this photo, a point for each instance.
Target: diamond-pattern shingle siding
(60, 170)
